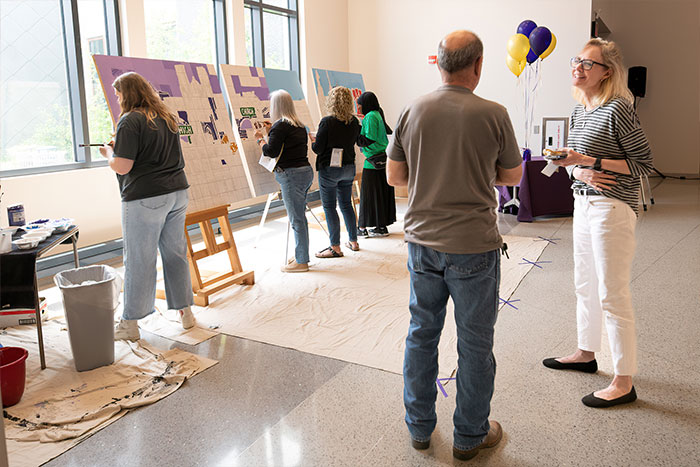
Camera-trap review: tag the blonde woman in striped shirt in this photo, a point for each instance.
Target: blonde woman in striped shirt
(607, 153)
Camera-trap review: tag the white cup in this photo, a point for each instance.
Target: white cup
(5, 242)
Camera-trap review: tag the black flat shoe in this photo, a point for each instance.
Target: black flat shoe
(420, 445)
(586, 367)
(593, 401)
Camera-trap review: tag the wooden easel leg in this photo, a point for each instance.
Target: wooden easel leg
(202, 289)
(356, 196)
(317, 220)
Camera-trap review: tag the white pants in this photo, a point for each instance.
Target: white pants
(603, 252)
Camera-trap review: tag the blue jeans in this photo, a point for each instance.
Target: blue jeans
(150, 225)
(336, 183)
(295, 183)
(472, 281)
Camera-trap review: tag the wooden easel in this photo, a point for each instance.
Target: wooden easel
(203, 288)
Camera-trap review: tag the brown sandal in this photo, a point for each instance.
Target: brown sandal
(353, 248)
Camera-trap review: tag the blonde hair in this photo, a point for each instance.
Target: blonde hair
(615, 85)
(282, 108)
(139, 96)
(340, 104)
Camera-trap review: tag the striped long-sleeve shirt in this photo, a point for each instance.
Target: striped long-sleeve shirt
(612, 131)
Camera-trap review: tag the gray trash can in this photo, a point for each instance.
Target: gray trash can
(89, 308)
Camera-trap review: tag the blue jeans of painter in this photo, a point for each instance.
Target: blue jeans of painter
(295, 183)
(472, 281)
(335, 183)
(150, 225)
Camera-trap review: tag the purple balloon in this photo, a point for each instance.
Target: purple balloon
(526, 27)
(540, 38)
(532, 56)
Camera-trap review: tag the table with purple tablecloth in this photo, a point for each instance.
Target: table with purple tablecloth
(541, 195)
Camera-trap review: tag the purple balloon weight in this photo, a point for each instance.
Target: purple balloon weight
(540, 38)
(532, 56)
(526, 27)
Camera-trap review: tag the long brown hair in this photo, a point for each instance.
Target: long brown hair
(139, 96)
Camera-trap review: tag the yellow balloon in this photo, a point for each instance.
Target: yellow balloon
(550, 49)
(518, 47)
(515, 66)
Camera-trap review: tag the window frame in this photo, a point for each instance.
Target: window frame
(75, 84)
(257, 9)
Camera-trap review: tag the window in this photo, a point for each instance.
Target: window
(47, 82)
(272, 34)
(180, 30)
(35, 125)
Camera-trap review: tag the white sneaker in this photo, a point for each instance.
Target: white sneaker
(127, 330)
(187, 318)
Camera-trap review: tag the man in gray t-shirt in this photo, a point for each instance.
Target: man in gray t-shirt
(450, 148)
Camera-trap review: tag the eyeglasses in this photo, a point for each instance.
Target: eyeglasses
(586, 63)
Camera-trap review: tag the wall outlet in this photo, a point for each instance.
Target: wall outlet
(536, 130)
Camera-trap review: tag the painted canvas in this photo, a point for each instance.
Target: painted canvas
(215, 167)
(324, 81)
(248, 90)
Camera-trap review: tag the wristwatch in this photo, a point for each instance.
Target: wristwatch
(598, 165)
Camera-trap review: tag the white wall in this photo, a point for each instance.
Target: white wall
(391, 40)
(90, 196)
(664, 36)
(323, 41)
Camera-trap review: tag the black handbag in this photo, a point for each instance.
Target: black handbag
(378, 161)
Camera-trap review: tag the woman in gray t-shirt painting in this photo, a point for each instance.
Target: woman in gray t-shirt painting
(147, 157)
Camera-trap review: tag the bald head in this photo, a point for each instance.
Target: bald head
(459, 50)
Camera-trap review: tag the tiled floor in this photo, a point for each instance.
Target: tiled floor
(270, 406)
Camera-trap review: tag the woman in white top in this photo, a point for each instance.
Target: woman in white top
(607, 154)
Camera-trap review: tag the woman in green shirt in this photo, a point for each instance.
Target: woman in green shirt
(377, 203)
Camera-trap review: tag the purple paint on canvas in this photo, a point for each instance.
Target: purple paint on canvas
(212, 104)
(262, 92)
(161, 73)
(245, 124)
(253, 71)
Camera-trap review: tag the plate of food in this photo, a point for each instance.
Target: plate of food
(554, 154)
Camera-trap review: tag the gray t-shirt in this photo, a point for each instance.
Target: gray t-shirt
(452, 142)
(159, 167)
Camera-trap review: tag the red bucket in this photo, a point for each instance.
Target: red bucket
(13, 371)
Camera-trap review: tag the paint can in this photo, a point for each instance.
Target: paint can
(15, 215)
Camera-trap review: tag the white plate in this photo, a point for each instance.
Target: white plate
(39, 235)
(26, 244)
